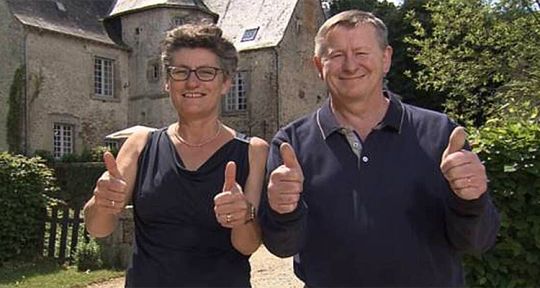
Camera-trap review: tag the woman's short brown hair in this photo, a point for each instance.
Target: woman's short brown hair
(207, 36)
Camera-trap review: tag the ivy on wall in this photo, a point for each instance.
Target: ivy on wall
(15, 109)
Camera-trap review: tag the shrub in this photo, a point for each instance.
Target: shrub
(511, 151)
(77, 181)
(23, 182)
(88, 256)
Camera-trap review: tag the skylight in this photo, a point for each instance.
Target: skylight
(249, 34)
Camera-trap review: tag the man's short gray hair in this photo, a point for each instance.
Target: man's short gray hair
(350, 19)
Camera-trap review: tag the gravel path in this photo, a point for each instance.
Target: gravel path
(267, 271)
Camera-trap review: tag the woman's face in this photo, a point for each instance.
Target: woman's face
(196, 83)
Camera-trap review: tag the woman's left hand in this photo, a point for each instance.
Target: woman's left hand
(231, 206)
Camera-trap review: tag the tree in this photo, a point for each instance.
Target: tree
(485, 56)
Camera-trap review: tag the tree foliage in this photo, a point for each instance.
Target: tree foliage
(511, 152)
(23, 185)
(485, 56)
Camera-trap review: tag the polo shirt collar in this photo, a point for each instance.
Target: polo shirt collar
(393, 119)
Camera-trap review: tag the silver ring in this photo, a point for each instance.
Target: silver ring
(112, 203)
(228, 218)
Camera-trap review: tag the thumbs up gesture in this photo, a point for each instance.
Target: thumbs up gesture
(286, 182)
(463, 169)
(110, 192)
(231, 206)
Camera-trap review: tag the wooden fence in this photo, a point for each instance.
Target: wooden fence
(62, 230)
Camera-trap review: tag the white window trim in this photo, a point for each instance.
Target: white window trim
(104, 85)
(63, 139)
(236, 99)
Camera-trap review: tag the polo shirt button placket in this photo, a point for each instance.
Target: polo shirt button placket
(365, 159)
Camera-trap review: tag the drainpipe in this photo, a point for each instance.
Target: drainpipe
(278, 101)
(25, 94)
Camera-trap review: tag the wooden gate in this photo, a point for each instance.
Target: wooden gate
(62, 230)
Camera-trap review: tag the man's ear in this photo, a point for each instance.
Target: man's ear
(387, 58)
(318, 65)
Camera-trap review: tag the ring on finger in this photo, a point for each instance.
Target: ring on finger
(112, 203)
(228, 218)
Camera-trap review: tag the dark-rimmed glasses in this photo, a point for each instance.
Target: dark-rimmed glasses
(203, 73)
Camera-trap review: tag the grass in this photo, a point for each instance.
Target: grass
(46, 273)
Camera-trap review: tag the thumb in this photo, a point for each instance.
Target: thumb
(456, 141)
(110, 164)
(288, 155)
(230, 176)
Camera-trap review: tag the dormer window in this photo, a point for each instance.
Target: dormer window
(178, 21)
(249, 34)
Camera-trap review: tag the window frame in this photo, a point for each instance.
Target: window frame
(105, 92)
(232, 102)
(66, 146)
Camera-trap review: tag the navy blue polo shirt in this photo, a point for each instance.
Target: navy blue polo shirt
(377, 212)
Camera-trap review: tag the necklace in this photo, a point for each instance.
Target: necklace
(198, 145)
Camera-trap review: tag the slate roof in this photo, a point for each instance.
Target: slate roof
(79, 18)
(130, 6)
(271, 17)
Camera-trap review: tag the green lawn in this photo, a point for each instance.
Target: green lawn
(47, 274)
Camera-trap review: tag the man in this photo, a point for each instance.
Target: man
(368, 191)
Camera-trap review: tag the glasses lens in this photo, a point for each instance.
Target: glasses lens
(179, 73)
(206, 73)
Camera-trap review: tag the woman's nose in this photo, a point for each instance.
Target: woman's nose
(192, 80)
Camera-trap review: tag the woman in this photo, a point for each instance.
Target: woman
(195, 185)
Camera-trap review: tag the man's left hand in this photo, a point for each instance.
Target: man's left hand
(462, 168)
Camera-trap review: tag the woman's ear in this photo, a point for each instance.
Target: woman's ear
(167, 88)
(227, 82)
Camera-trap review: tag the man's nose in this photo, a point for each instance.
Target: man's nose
(349, 63)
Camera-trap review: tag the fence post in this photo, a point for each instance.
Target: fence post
(52, 235)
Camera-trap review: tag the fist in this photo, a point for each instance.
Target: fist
(111, 189)
(231, 206)
(463, 169)
(286, 182)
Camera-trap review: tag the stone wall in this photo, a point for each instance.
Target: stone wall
(11, 53)
(300, 89)
(60, 89)
(118, 247)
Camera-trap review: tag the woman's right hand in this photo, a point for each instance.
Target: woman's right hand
(110, 193)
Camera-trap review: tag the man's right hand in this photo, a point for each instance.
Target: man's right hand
(286, 182)
(111, 189)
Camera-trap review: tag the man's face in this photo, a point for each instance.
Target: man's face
(354, 64)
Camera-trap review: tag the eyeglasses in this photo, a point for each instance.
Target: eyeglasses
(203, 73)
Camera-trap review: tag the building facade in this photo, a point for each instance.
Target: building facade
(91, 67)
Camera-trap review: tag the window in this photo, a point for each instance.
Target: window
(153, 71)
(178, 21)
(236, 99)
(103, 77)
(249, 34)
(111, 144)
(63, 139)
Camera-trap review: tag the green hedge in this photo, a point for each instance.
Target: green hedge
(511, 152)
(77, 181)
(23, 184)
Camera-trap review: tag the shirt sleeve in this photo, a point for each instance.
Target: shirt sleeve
(283, 234)
(471, 225)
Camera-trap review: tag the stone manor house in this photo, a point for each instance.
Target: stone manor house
(86, 68)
